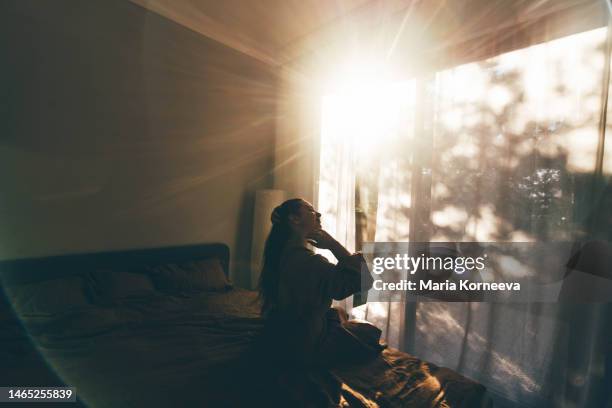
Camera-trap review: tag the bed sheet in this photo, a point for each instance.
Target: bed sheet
(197, 351)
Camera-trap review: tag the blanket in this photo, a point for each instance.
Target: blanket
(199, 351)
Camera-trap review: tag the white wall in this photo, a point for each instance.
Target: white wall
(297, 136)
(126, 130)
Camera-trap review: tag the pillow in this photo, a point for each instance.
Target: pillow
(110, 285)
(49, 296)
(190, 277)
(215, 278)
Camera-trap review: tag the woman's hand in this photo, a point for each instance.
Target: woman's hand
(321, 239)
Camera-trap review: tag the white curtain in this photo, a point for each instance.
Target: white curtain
(514, 155)
(337, 181)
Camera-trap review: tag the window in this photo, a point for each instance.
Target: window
(504, 149)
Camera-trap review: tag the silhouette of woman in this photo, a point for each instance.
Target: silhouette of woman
(297, 287)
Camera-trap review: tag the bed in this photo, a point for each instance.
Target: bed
(119, 328)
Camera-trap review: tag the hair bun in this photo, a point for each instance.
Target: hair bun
(276, 216)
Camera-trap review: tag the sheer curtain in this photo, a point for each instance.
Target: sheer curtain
(354, 181)
(515, 141)
(515, 147)
(337, 180)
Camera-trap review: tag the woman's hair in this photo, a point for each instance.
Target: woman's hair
(273, 250)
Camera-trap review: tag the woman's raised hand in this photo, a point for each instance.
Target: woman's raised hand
(321, 239)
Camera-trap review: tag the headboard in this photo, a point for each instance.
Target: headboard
(33, 368)
(37, 269)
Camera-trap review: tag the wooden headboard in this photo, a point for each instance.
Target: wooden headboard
(37, 269)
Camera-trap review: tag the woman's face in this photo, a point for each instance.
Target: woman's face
(308, 219)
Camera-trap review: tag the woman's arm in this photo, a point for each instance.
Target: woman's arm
(351, 275)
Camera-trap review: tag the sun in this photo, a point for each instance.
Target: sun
(365, 107)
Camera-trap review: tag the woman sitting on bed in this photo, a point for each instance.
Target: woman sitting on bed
(297, 287)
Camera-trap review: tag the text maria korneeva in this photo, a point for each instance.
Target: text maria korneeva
(430, 285)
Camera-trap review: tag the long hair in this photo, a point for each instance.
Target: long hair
(273, 250)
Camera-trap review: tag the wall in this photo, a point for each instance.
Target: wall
(121, 129)
(298, 127)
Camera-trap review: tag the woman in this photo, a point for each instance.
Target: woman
(297, 288)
